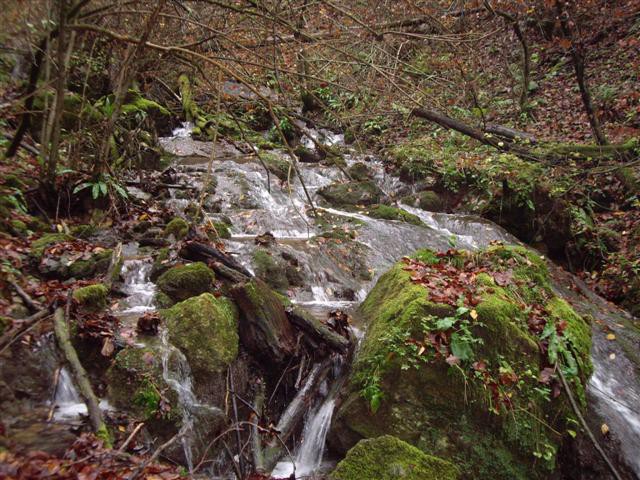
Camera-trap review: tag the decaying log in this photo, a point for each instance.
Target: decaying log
(61, 329)
(200, 252)
(510, 134)
(256, 440)
(227, 273)
(313, 327)
(265, 330)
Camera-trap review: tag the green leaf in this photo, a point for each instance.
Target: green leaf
(461, 348)
(121, 191)
(375, 402)
(82, 186)
(103, 188)
(95, 191)
(445, 323)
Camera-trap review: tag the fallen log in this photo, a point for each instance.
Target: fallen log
(319, 332)
(197, 251)
(61, 329)
(510, 134)
(227, 273)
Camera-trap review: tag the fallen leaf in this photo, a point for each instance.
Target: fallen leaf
(611, 336)
(604, 429)
(473, 314)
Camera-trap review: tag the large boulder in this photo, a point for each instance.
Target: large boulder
(184, 281)
(351, 193)
(205, 329)
(458, 360)
(389, 458)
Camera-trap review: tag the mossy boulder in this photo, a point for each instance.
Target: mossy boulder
(387, 212)
(359, 172)
(136, 384)
(205, 329)
(270, 269)
(220, 230)
(468, 384)
(389, 458)
(279, 165)
(92, 298)
(185, 281)
(351, 193)
(427, 200)
(178, 227)
(40, 245)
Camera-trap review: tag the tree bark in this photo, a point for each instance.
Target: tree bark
(200, 252)
(316, 329)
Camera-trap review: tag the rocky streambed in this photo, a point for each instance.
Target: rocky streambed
(256, 335)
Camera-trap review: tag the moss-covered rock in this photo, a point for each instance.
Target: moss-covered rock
(389, 458)
(185, 281)
(351, 193)
(92, 297)
(359, 172)
(178, 227)
(478, 396)
(96, 264)
(205, 329)
(221, 230)
(270, 269)
(279, 165)
(38, 246)
(387, 212)
(135, 382)
(427, 200)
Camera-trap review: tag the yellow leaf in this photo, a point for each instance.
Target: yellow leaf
(142, 217)
(474, 314)
(611, 336)
(604, 428)
(122, 429)
(421, 351)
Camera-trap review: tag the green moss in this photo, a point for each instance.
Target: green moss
(453, 411)
(351, 193)
(392, 213)
(278, 165)
(205, 329)
(178, 227)
(98, 263)
(359, 172)
(271, 271)
(389, 458)
(39, 246)
(92, 297)
(182, 282)
(222, 230)
(83, 231)
(19, 227)
(135, 381)
(427, 200)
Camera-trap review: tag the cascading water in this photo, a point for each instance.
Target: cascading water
(244, 197)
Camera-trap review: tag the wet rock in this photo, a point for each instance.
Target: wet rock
(66, 264)
(265, 330)
(446, 407)
(205, 329)
(182, 282)
(393, 213)
(359, 172)
(163, 260)
(389, 458)
(178, 227)
(31, 435)
(279, 165)
(135, 383)
(92, 298)
(351, 193)
(308, 155)
(427, 200)
(271, 269)
(266, 239)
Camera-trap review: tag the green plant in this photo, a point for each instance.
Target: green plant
(102, 186)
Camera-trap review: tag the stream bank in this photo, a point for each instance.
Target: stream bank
(326, 264)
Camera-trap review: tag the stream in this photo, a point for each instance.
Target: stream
(244, 198)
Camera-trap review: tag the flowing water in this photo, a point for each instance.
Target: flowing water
(255, 205)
